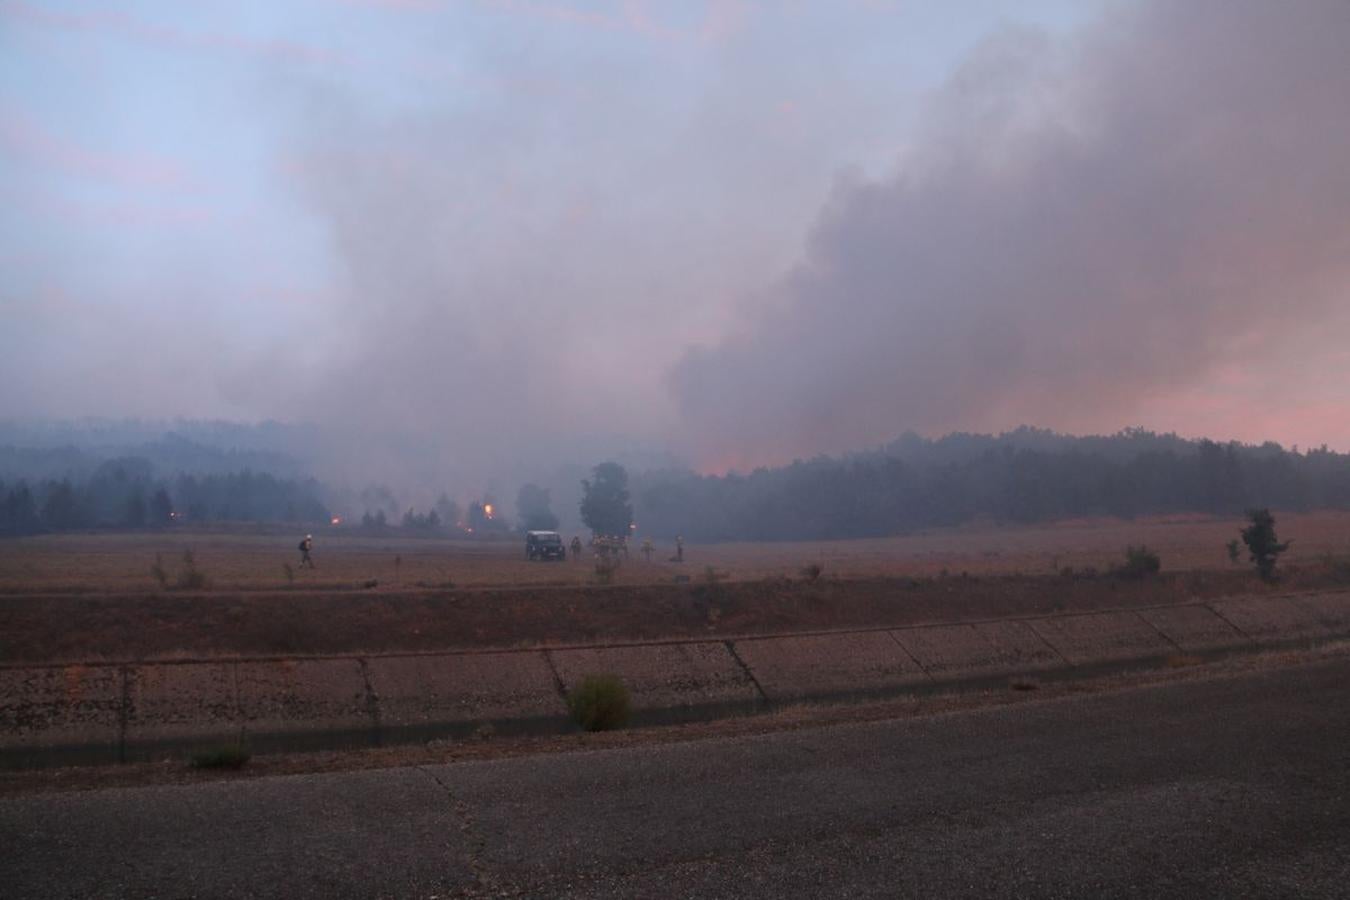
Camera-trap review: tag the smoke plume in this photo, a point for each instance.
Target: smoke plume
(1080, 227)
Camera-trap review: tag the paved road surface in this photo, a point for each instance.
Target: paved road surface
(1228, 788)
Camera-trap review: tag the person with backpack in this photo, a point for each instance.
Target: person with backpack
(305, 546)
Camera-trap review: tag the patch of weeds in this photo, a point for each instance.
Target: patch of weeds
(225, 756)
(711, 575)
(289, 572)
(446, 585)
(600, 703)
(1183, 660)
(484, 732)
(811, 574)
(370, 583)
(1023, 684)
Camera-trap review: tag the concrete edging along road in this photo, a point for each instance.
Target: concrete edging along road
(126, 711)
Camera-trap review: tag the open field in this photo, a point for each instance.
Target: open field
(90, 597)
(121, 562)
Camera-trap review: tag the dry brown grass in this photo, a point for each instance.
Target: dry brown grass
(121, 562)
(87, 598)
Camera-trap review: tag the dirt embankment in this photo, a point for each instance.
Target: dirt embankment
(38, 629)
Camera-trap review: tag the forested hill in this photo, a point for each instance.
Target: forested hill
(1028, 475)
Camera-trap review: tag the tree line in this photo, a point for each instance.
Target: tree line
(1021, 477)
(125, 493)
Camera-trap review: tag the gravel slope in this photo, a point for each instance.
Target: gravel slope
(1226, 788)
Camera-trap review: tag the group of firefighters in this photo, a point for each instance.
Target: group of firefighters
(603, 546)
(617, 547)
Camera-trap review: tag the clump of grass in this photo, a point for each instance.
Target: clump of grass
(1023, 684)
(225, 756)
(289, 573)
(811, 573)
(600, 703)
(1182, 661)
(711, 575)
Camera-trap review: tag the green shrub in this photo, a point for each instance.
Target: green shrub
(226, 756)
(1262, 544)
(600, 703)
(1140, 562)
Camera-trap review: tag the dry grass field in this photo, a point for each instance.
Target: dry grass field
(122, 562)
(82, 598)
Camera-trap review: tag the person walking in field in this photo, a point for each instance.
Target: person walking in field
(306, 562)
(576, 549)
(679, 549)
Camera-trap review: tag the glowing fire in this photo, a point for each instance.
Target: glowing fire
(487, 510)
(336, 520)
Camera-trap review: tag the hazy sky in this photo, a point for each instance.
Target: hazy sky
(744, 231)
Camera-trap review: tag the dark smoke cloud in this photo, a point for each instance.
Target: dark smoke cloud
(1081, 226)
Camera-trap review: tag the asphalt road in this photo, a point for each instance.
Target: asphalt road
(1227, 788)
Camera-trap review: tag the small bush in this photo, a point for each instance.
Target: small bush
(1234, 549)
(289, 573)
(711, 575)
(158, 571)
(226, 756)
(1140, 562)
(189, 577)
(811, 574)
(600, 703)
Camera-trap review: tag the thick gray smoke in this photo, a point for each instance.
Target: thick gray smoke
(1080, 227)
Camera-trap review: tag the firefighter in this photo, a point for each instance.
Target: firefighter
(576, 549)
(306, 562)
(679, 548)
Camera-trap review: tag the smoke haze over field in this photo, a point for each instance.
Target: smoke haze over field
(469, 239)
